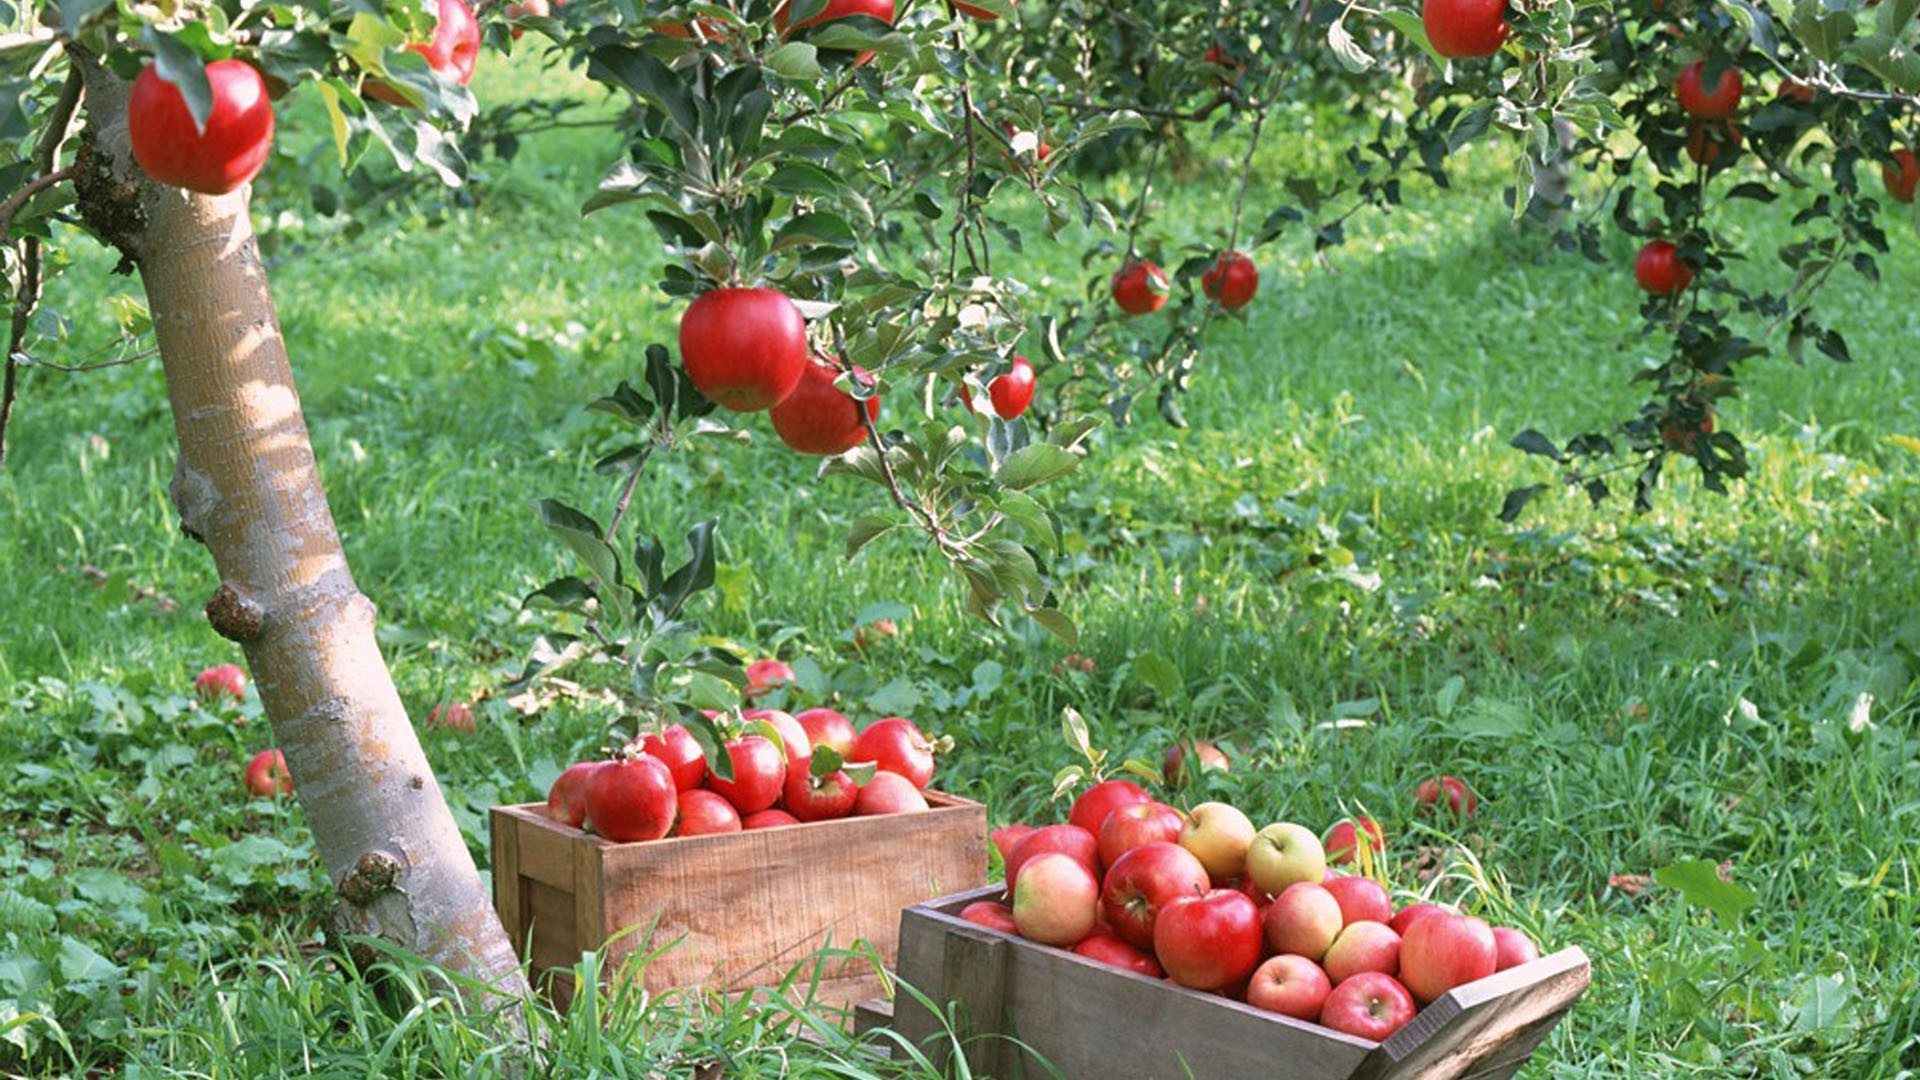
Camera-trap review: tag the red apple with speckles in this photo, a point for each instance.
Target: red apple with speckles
(1108, 948)
(267, 775)
(1210, 941)
(1369, 1005)
(632, 799)
(675, 747)
(888, 793)
(1071, 840)
(1413, 913)
(1057, 900)
(704, 813)
(825, 727)
(1444, 951)
(1291, 986)
(1138, 825)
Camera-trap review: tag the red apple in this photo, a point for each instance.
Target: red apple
(1706, 139)
(992, 915)
(1708, 102)
(1459, 798)
(525, 9)
(1901, 175)
(793, 737)
(759, 773)
(452, 53)
(1369, 1005)
(1361, 900)
(1511, 948)
(745, 349)
(827, 728)
(1304, 920)
(1343, 840)
(1012, 392)
(226, 679)
(768, 819)
(221, 157)
(1069, 839)
(1291, 986)
(1140, 287)
(1465, 29)
(1231, 280)
(675, 747)
(1057, 900)
(1219, 836)
(267, 775)
(838, 9)
(1209, 941)
(1445, 951)
(818, 798)
(703, 813)
(1107, 948)
(765, 676)
(819, 417)
(1173, 764)
(1363, 946)
(632, 799)
(1090, 810)
(1142, 882)
(889, 793)
(455, 716)
(1137, 825)
(1006, 837)
(567, 799)
(1412, 913)
(896, 746)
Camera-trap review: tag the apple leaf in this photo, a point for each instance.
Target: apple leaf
(1700, 883)
(181, 66)
(712, 744)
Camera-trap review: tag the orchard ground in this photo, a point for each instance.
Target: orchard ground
(1313, 575)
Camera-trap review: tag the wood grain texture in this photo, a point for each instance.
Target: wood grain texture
(507, 885)
(1090, 1021)
(742, 909)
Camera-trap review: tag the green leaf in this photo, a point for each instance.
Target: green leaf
(174, 62)
(1035, 464)
(582, 534)
(1074, 727)
(648, 79)
(1410, 27)
(1700, 883)
(1158, 672)
(712, 742)
(797, 61)
(869, 527)
(1056, 623)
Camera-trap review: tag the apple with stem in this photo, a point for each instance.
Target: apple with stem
(1210, 941)
(1219, 836)
(1284, 853)
(1142, 882)
(1369, 1006)
(1291, 986)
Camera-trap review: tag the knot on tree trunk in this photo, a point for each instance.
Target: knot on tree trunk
(376, 873)
(109, 203)
(234, 615)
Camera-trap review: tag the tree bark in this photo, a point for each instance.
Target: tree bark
(246, 485)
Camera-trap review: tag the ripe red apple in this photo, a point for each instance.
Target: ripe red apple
(703, 813)
(631, 799)
(768, 819)
(1057, 900)
(1304, 920)
(1901, 181)
(992, 915)
(1108, 948)
(1141, 287)
(1369, 1005)
(1012, 392)
(1006, 837)
(267, 775)
(793, 737)
(1284, 853)
(226, 679)
(889, 793)
(1465, 29)
(1209, 941)
(567, 798)
(1361, 899)
(1231, 280)
(1704, 101)
(1219, 836)
(1362, 946)
(1069, 839)
(674, 746)
(1459, 798)
(838, 9)
(1173, 764)
(455, 716)
(1090, 810)
(759, 773)
(1343, 840)
(525, 9)
(1707, 138)
(1413, 913)
(745, 349)
(1291, 986)
(1142, 882)
(1511, 948)
(818, 798)
(221, 158)
(452, 53)
(819, 417)
(1444, 951)
(1795, 90)
(895, 745)
(1137, 825)
(827, 728)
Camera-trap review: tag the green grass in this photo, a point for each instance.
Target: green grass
(1316, 562)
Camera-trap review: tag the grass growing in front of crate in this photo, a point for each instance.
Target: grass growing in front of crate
(1312, 576)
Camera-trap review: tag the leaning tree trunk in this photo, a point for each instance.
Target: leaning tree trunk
(246, 486)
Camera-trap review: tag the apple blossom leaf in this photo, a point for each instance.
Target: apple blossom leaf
(712, 745)
(175, 63)
(1700, 883)
(1074, 727)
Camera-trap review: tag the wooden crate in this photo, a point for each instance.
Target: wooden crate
(1091, 1021)
(732, 911)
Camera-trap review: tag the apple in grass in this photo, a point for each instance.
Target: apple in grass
(1413, 913)
(1137, 825)
(1363, 946)
(632, 799)
(1345, 839)
(1284, 853)
(1368, 1005)
(267, 775)
(1070, 840)
(1304, 920)
(1452, 790)
(825, 727)
(992, 915)
(888, 793)
(768, 819)
(1209, 942)
(1361, 899)
(224, 680)
(1142, 882)
(1090, 810)
(1511, 948)
(1109, 948)
(1057, 900)
(704, 813)
(766, 676)
(1173, 764)
(567, 798)
(1444, 951)
(1291, 986)
(1219, 836)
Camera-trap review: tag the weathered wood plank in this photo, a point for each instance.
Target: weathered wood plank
(508, 900)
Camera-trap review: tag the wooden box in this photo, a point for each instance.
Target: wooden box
(732, 911)
(1095, 1022)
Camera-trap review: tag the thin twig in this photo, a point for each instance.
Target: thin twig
(28, 190)
(27, 300)
(123, 361)
(1188, 117)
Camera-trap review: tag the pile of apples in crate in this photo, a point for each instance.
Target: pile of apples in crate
(1209, 901)
(788, 769)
